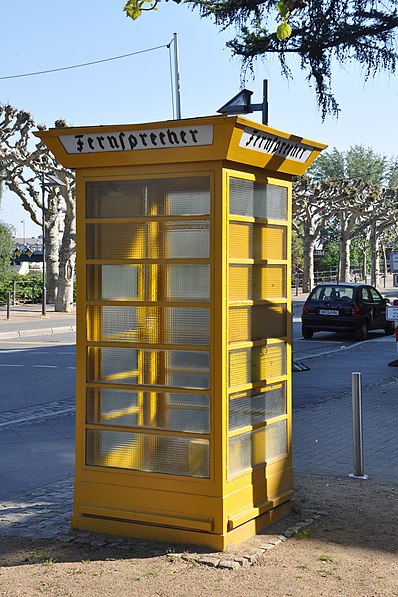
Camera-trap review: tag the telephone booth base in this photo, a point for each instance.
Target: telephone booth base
(94, 514)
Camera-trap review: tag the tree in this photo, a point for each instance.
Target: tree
(6, 245)
(25, 166)
(311, 211)
(321, 33)
(365, 202)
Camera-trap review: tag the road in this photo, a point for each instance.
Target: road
(38, 370)
(38, 386)
(39, 373)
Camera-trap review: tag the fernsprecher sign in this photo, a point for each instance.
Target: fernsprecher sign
(138, 140)
(273, 145)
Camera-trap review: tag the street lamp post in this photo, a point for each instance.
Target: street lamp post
(43, 237)
(23, 229)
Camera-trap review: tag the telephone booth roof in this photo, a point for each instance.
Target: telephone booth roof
(231, 138)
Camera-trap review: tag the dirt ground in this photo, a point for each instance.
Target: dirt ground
(351, 549)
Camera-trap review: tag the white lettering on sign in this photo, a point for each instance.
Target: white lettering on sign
(101, 141)
(274, 145)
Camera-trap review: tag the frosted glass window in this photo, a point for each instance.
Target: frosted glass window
(181, 456)
(127, 240)
(257, 322)
(188, 282)
(183, 282)
(257, 282)
(257, 241)
(134, 198)
(187, 239)
(130, 408)
(257, 447)
(133, 366)
(189, 203)
(112, 282)
(154, 325)
(253, 408)
(130, 240)
(260, 363)
(258, 200)
(241, 197)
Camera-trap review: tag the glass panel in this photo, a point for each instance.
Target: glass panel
(257, 447)
(252, 408)
(270, 201)
(260, 363)
(112, 282)
(257, 241)
(126, 282)
(174, 368)
(240, 240)
(154, 325)
(177, 239)
(241, 197)
(257, 282)
(257, 323)
(134, 198)
(187, 239)
(127, 408)
(148, 452)
(270, 242)
(189, 203)
(188, 282)
(117, 241)
(258, 200)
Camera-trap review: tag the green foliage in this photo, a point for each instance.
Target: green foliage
(297, 251)
(283, 31)
(321, 33)
(330, 258)
(134, 8)
(24, 286)
(5, 246)
(358, 162)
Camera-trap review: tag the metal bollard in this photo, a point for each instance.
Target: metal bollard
(356, 382)
(8, 304)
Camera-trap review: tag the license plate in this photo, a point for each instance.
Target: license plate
(328, 312)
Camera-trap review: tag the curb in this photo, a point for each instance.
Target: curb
(37, 332)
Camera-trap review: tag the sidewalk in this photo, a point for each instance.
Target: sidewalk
(27, 320)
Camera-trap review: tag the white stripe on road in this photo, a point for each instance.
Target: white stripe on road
(12, 365)
(46, 366)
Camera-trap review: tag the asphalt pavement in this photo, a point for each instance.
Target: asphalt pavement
(37, 443)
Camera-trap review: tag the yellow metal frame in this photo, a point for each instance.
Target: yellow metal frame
(221, 509)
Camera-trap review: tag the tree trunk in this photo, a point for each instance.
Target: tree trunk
(308, 257)
(52, 260)
(344, 259)
(374, 255)
(67, 258)
(364, 266)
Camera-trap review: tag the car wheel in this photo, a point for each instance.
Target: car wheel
(307, 333)
(390, 328)
(362, 332)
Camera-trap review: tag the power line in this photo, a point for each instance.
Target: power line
(54, 70)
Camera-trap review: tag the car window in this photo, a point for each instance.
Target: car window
(365, 295)
(332, 293)
(377, 298)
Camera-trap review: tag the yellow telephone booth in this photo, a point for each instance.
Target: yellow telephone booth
(184, 326)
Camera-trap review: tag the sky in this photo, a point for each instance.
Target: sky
(44, 35)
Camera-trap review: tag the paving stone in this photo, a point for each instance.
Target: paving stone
(228, 564)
